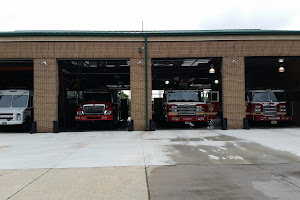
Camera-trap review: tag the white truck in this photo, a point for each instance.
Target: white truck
(16, 108)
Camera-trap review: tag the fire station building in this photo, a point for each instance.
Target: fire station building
(55, 63)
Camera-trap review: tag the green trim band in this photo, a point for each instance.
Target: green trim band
(150, 33)
(146, 80)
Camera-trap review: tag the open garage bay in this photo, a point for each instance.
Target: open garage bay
(94, 94)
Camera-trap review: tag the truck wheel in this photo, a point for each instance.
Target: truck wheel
(27, 124)
(119, 116)
(251, 123)
(79, 126)
(200, 124)
(111, 124)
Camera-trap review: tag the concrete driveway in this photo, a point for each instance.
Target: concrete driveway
(166, 164)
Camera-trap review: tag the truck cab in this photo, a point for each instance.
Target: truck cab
(16, 108)
(99, 106)
(196, 106)
(267, 105)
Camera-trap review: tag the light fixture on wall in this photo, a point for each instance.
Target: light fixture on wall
(212, 70)
(281, 68)
(216, 81)
(140, 62)
(44, 63)
(140, 49)
(167, 82)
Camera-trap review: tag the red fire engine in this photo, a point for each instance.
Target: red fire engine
(266, 105)
(189, 106)
(99, 106)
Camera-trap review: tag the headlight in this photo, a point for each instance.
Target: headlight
(107, 112)
(198, 108)
(19, 116)
(257, 108)
(80, 112)
(173, 109)
(282, 108)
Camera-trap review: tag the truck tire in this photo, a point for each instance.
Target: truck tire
(200, 124)
(27, 124)
(79, 126)
(111, 124)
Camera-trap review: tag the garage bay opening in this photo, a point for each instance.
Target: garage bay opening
(186, 92)
(272, 91)
(94, 94)
(16, 95)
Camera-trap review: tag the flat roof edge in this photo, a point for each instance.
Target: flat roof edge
(151, 33)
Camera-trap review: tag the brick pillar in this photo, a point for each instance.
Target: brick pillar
(233, 86)
(138, 94)
(45, 94)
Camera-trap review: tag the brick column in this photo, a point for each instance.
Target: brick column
(45, 94)
(233, 86)
(138, 94)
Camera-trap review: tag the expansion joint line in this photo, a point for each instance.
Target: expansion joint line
(73, 152)
(29, 183)
(46, 171)
(146, 174)
(147, 183)
(143, 149)
(278, 176)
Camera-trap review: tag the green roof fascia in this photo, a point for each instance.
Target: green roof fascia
(151, 33)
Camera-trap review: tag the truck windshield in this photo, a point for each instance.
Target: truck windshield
(183, 97)
(280, 96)
(268, 97)
(20, 101)
(5, 100)
(101, 97)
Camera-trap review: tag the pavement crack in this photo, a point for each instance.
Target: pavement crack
(278, 176)
(147, 183)
(29, 183)
(92, 138)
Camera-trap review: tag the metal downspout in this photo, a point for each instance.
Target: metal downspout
(146, 81)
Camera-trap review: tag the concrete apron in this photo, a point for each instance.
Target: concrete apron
(208, 164)
(116, 148)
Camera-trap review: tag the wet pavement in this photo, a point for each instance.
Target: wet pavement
(165, 164)
(209, 182)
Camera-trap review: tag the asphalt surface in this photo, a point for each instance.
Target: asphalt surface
(161, 165)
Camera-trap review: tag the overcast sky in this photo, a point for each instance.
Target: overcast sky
(124, 15)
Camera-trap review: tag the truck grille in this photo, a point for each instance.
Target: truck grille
(6, 116)
(186, 109)
(93, 109)
(270, 110)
